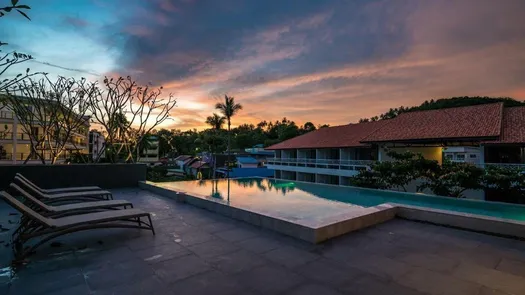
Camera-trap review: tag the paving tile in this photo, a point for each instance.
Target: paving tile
(290, 257)
(236, 262)
(374, 264)
(149, 241)
(4, 288)
(91, 260)
(429, 261)
(432, 282)
(217, 226)
(313, 289)
(269, 279)
(370, 284)
(328, 272)
(236, 234)
(161, 253)
(213, 248)
(470, 256)
(180, 268)
(212, 282)
(117, 274)
(487, 291)
(173, 225)
(260, 244)
(139, 286)
(81, 289)
(511, 266)
(192, 238)
(517, 253)
(43, 283)
(491, 278)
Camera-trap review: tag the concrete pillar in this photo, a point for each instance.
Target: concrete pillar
(482, 155)
(15, 139)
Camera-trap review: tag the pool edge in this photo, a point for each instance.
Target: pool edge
(343, 224)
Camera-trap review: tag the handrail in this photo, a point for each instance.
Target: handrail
(321, 161)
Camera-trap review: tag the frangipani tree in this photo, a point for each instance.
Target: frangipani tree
(128, 112)
(51, 112)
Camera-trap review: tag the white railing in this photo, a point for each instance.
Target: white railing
(509, 165)
(305, 161)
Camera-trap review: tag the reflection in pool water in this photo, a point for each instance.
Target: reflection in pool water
(289, 195)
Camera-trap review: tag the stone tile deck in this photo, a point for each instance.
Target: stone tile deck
(199, 252)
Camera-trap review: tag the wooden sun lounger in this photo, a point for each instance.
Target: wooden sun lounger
(64, 197)
(45, 229)
(61, 190)
(70, 209)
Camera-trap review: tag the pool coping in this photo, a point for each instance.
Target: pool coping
(347, 222)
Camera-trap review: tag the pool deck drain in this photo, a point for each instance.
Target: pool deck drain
(316, 230)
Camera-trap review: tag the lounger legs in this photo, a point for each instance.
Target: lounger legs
(151, 224)
(23, 235)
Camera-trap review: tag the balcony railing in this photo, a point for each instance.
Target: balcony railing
(506, 165)
(9, 136)
(23, 156)
(6, 115)
(322, 163)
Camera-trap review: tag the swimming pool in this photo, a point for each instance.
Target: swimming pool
(294, 200)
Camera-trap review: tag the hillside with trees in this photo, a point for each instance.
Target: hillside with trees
(444, 103)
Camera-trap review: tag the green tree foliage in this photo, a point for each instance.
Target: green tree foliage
(444, 103)
(14, 6)
(453, 179)
(506, 180)
(175, 142)
(401, 170)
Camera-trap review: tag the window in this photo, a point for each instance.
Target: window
(460, 157)
(473, 156)
(449, 157)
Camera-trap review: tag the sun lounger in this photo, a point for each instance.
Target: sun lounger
(64, 197)
(44, 229)
(69, 209)
(61, 190)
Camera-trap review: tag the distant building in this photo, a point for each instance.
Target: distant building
(488, 134)
(16, 144)
(151, 154)
(260, 153)
(247, 162)
(199, 166)
(96, 145)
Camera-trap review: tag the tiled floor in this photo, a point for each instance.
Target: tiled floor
(198, 252)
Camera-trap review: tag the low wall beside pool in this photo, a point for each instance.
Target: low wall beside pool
(51, 176)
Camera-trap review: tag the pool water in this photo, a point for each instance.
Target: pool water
(297, 199)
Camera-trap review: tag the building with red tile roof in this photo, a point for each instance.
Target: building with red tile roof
(480, 134)
(349, 135)
(480, 122)
(513, 127)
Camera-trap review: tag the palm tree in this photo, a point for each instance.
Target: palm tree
(215, 121)
(228, 108)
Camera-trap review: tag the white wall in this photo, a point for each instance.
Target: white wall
(314, 170)
(431, 153)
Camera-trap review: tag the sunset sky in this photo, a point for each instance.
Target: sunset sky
(330, 61)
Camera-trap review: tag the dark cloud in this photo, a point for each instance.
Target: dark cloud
(217, 31)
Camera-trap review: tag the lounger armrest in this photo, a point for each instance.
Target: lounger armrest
(72, 189)
(81, 194)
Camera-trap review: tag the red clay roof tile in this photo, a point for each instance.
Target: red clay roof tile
(480, 121)
(331, 137)
(513, 129)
